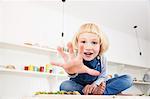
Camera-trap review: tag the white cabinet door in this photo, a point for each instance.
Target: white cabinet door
(124, 49)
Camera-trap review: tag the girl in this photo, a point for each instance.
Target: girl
(87, 69)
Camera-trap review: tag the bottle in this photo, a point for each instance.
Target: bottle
(146, 77)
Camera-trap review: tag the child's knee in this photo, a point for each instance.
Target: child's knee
(64, 86)
(128, 81)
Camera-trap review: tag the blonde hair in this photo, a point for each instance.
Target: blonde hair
(91, 28)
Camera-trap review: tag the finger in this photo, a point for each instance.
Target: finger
(88, 90)
(92, 72)
(101, 91)
(71, 52)
(61, 52)
(94, 89)
(98, 91)
(85, 90)
(101, 88)
(85, 69)
(103, 85)
(80, 51)
(56, 64)
(91, 90)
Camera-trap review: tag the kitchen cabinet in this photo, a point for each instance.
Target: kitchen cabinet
(29, 81)
(124, 50)
(47, 51)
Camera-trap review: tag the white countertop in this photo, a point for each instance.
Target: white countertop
(86, 97)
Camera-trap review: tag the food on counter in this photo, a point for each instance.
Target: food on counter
(10, 67)
(49, 68)
(26, 68)
(58, 93)
(28, 44)
(41, 68)
(36, 69)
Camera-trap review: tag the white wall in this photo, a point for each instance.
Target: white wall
(148, 54)
(21, 58)
(149, 30)
(35, 22)
(0, 21)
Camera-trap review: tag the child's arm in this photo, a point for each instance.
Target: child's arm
(98, 86)
(101, 81)
(74, 64)
(103, 76)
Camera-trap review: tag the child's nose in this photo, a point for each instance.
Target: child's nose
(88, 46)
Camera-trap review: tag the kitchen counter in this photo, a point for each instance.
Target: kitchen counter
(85, 97)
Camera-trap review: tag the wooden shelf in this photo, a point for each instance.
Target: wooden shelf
(126, 65)
(27, 48)
(29, 73)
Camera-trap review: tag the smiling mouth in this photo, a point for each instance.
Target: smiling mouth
(88, 53)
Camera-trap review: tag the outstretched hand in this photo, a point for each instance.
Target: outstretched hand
(74, 64)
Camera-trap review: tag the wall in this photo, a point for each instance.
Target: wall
(149, 29)
(21, 58)
(31, 21)
(0, 21)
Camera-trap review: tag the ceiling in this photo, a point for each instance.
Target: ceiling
(121, 15)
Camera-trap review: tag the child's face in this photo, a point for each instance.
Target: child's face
(91, 45)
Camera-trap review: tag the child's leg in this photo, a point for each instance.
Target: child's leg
(70, 85)
(118, 84)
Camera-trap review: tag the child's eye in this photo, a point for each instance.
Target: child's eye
(94, 42)
(83, 41)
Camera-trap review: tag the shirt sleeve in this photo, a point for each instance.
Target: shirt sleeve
(72, 75)
(103, 76)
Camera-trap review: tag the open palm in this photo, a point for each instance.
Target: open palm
(74, 64)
